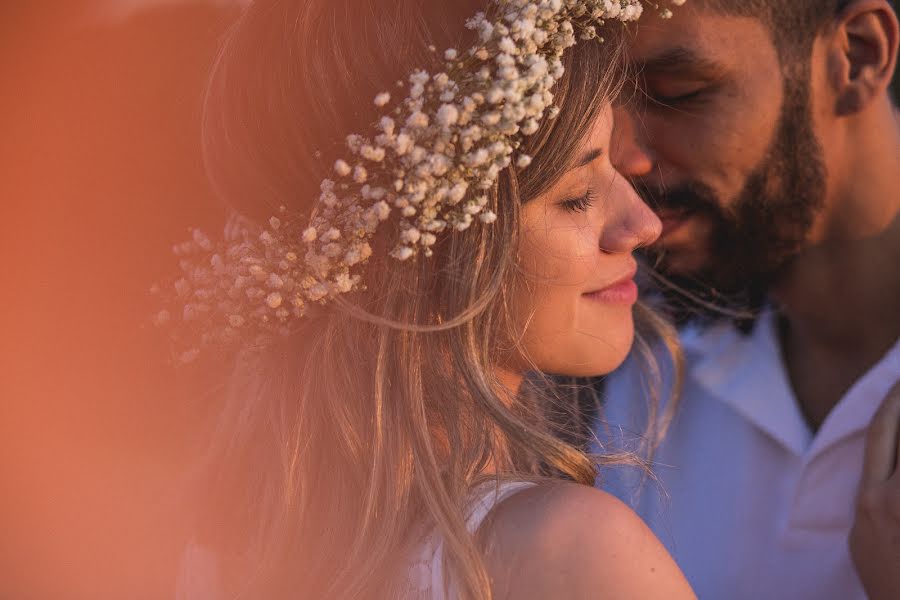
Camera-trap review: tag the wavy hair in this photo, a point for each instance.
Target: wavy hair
(335, 449)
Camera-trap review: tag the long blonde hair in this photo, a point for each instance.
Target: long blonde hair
(382, 412)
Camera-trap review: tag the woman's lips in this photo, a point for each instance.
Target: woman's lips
(622, 291)
(625, 292)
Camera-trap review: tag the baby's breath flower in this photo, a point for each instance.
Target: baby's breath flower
(435, 157)
(447, 115)
(402, 253)
(274, 300)
(341, 167)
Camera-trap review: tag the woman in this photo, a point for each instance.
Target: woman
(381, 439)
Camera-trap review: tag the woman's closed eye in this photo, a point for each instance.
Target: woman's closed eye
(579, 204)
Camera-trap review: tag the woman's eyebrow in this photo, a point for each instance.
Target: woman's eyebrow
(588, 157)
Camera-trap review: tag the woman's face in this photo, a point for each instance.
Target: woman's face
(575, 308)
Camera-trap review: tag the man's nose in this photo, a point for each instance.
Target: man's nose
(629, 152)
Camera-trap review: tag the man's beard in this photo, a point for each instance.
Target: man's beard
(754, 238)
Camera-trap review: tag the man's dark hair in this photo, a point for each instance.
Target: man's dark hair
(794, 25)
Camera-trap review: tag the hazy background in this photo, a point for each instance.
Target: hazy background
(99, 174)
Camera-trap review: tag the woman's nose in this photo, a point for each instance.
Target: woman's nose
(631, 224)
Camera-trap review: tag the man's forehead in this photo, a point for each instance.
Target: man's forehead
(695, 38)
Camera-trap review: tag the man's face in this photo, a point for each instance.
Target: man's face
(733, 168)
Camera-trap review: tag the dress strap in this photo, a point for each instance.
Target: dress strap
(426, 576)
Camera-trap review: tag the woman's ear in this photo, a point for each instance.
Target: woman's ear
(862, 54)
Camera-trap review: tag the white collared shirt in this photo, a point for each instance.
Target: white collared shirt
(749, 502)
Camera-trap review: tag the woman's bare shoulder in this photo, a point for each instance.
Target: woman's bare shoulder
(572, 541)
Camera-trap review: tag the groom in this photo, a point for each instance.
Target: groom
(763, 133)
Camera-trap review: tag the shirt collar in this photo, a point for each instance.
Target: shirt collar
(746, 373)
(855, 410)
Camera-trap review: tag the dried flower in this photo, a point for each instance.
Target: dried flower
(432, 159)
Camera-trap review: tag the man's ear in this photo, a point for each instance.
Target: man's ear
(862, 53)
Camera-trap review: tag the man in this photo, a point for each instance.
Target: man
(763, 133)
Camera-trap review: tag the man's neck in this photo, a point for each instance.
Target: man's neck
(839, 297)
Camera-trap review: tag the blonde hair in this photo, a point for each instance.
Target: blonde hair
(377, 417)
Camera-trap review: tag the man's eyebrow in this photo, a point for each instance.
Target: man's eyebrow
(588, 157)
(678, 58)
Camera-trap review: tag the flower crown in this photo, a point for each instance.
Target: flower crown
(435, 155)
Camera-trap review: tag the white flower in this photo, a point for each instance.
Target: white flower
(402, 253)
(372, 153)
(453, 133)
(472, 208)
(404, 144)
(464, 222)
(447, 115)
(417, 120)
(273, 300)
(341, 167)
(343, 283)
(382, 210)
(317, 292)
(457, 192)
(507, 46)
(410, 236)
(492, 118)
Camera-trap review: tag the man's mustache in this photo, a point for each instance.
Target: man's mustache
(686, 198)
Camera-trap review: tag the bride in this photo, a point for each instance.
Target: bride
(448, 233)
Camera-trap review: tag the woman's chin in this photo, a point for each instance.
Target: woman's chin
(591, 355)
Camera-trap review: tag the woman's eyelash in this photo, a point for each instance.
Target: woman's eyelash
(579, 204)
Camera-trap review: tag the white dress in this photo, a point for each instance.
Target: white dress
(199, 574)
(426, 574)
